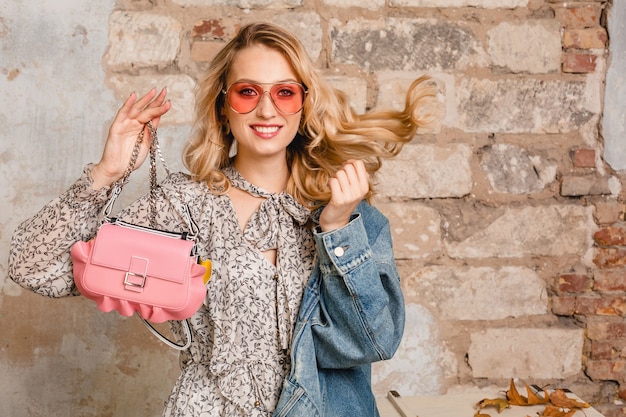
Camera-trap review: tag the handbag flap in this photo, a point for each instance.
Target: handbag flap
(142, 252)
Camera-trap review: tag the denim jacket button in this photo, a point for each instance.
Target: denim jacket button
(338, 252)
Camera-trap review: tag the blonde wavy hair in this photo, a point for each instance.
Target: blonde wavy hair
(330, 131)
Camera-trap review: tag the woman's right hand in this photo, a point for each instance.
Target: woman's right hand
(128, 122)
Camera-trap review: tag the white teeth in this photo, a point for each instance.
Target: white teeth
(266, 129)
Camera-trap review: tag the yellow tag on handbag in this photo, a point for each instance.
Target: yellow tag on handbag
(207, 274)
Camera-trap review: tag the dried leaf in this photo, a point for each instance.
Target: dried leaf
(558, 398)
(534, 399)
(499, 403)
(552, 411)
(514, 397)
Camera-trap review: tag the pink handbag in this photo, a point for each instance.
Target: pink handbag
(137, 269)
(132, 269)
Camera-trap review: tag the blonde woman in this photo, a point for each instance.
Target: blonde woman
(304, 293)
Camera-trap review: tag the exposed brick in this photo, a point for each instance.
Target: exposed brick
(622, 392)
(608, 212)
(584, 158)
(606, 369)
(610, 280)
(574, 283)
(612, 305)
(607, 305)
(577, 63)
(564, 305)
(209, 29)
(610, 257)
(611, 236)
(602, 349)
(584, 16)
(608, 349)
(619, 347)
(587, 305)
(595, 38)
(610, 328)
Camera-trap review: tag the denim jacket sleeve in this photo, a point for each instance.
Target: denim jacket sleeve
(361, 315)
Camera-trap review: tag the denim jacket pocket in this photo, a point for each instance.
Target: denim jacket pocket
(295, 402)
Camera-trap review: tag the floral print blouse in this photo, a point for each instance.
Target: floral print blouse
(239, 356)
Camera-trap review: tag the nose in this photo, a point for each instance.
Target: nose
(266, 107)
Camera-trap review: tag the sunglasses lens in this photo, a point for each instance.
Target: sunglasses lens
(288, 98)
(244, 97)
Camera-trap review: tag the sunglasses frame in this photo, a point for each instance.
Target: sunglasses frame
(305, 91)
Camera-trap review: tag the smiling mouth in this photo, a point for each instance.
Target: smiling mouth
(266, 129)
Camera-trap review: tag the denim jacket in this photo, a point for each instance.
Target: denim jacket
(352, 314)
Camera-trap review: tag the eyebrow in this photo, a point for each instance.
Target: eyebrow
(247, 80)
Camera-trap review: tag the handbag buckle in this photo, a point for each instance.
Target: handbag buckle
(134, 285)
(135, 278)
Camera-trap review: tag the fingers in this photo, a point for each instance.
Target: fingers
(143, 109)
(158, 107)
(347, 188)
(350, 183)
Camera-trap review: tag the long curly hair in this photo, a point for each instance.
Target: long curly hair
(330, 131)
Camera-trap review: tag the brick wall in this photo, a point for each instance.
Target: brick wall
(508, 225)
(495, 209)
(505, 216)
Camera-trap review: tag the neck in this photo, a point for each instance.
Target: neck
(270, 175)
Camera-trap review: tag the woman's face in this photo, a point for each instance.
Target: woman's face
(264, 131)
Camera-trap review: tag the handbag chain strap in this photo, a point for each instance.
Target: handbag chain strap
(155, 150)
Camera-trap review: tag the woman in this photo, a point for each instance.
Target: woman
(304, 294)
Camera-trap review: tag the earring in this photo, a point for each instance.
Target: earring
(233, 149)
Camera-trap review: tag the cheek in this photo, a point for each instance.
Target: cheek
(237, 124)
(293, 123)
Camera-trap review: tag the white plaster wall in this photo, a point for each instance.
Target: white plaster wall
(54, 115)
(55, 106)
(614, 122)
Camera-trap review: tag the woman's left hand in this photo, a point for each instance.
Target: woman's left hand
(347, 188)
